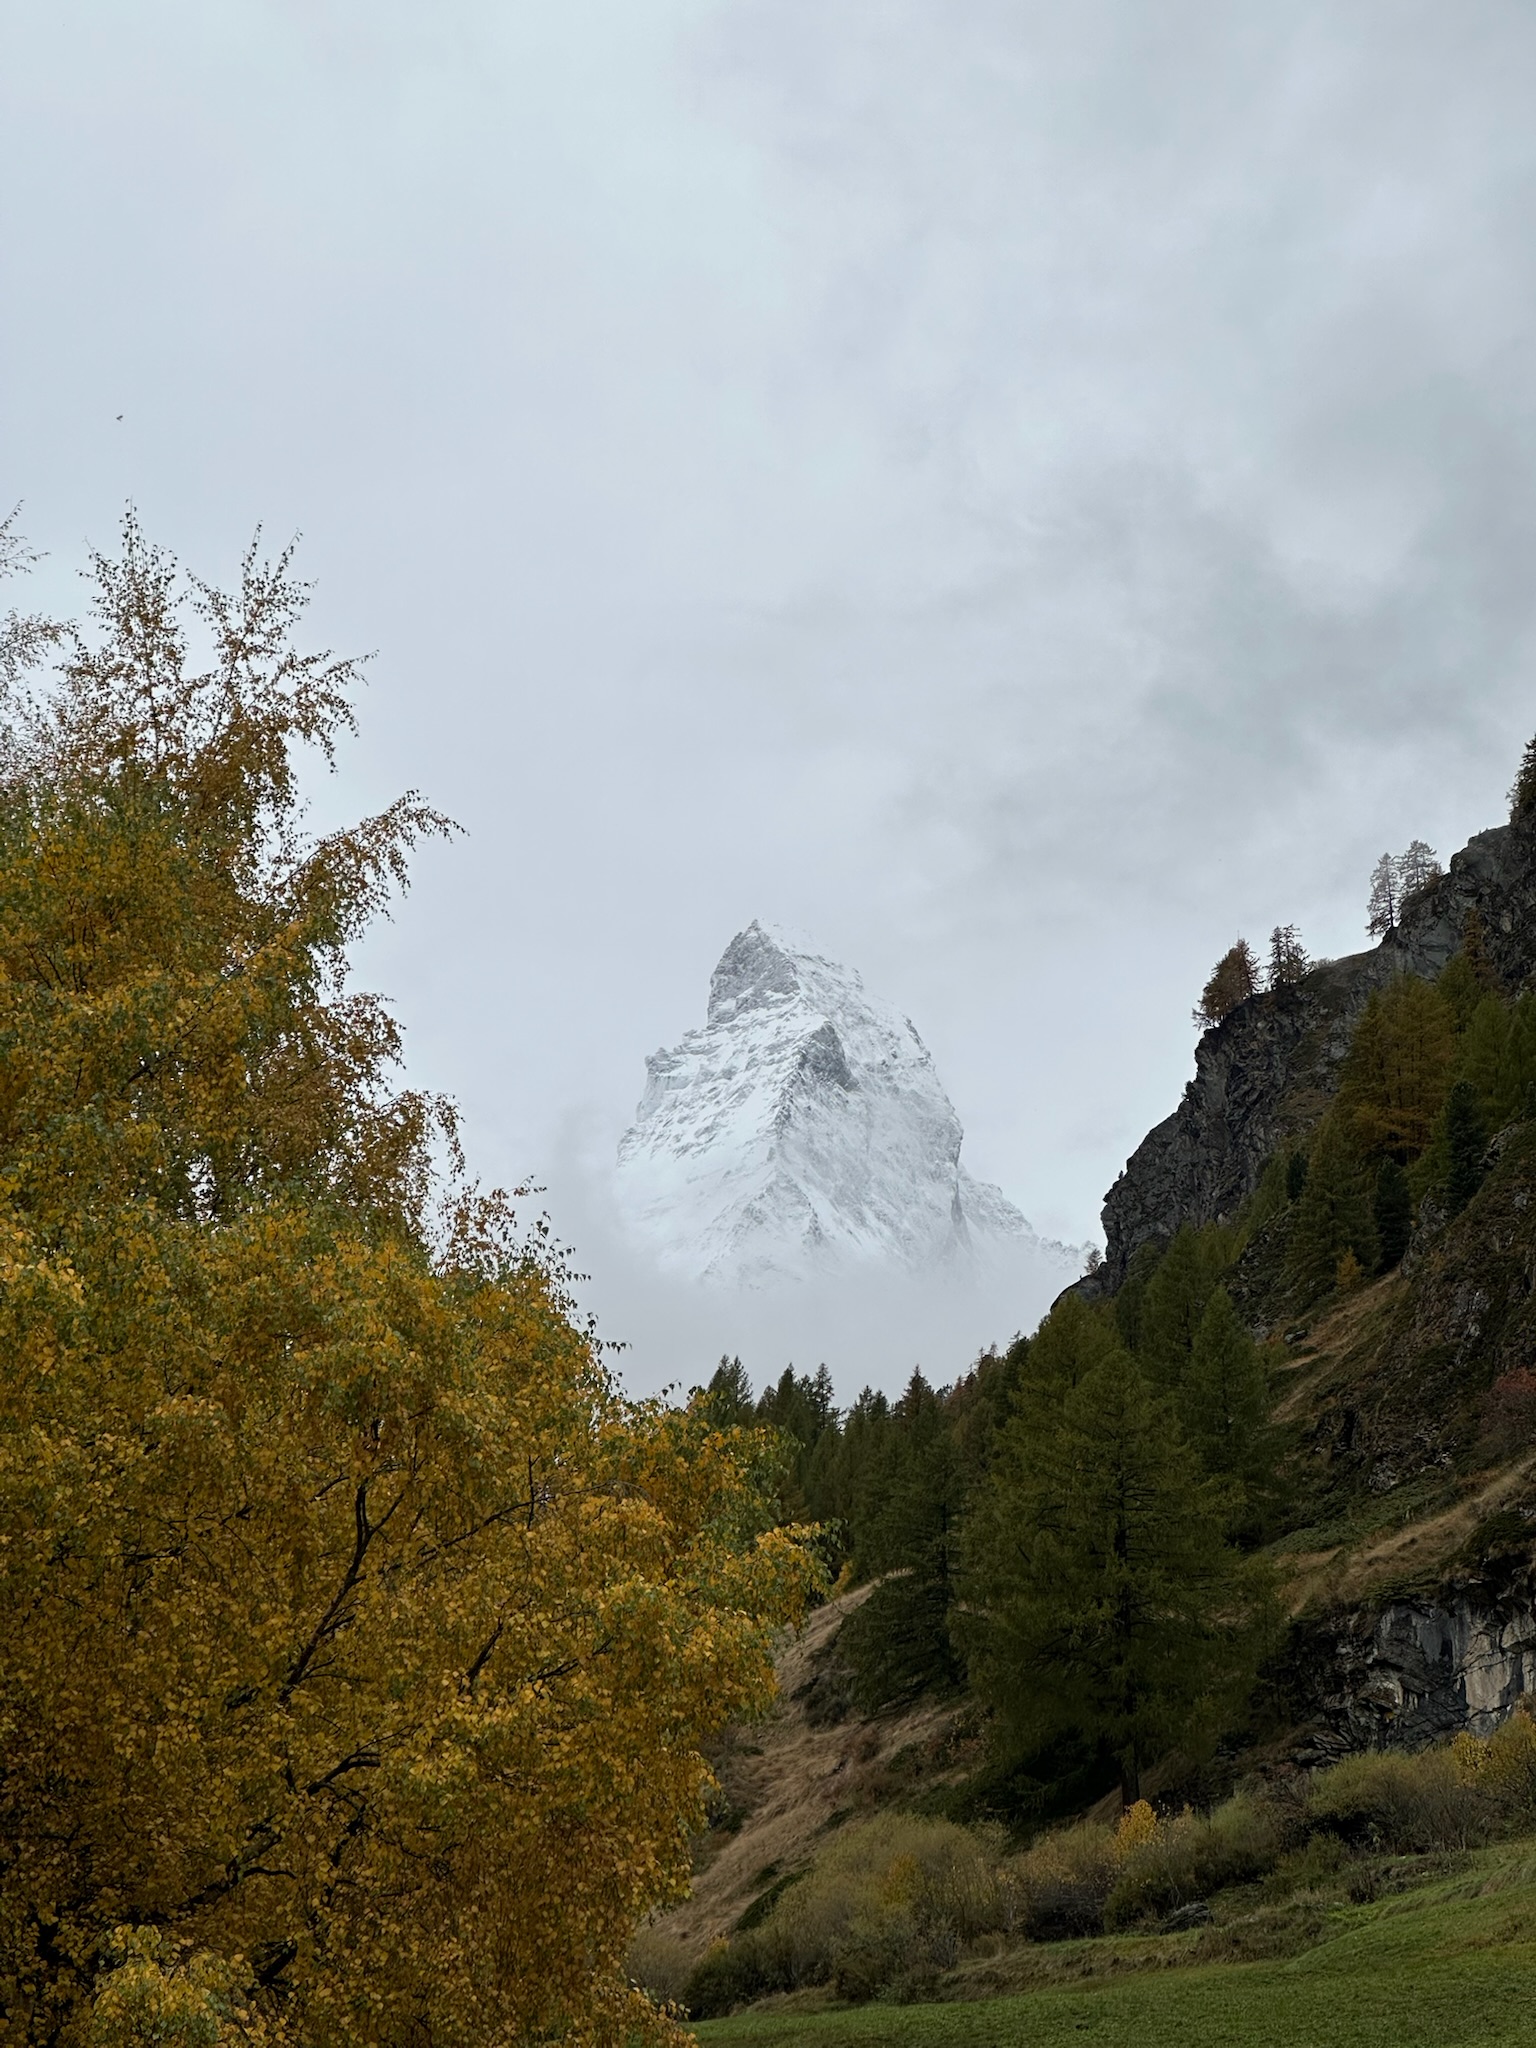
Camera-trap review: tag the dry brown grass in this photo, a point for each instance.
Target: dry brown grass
(1348, 1574)
(795, 1786)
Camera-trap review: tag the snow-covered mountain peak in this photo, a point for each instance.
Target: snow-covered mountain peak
(803, 1129)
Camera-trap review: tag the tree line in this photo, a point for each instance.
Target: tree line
(1070, 1530)
(1239, 973)
(1073, 1530)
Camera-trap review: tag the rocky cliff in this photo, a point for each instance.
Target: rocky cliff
(1399, 1675)
(1265, 1073)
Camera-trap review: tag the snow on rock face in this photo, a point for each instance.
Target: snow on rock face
(803, 1129)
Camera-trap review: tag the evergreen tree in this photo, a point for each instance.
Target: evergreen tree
(1486, 1063)
(1381, 905)
(1288, 960)
(1101, 1598)
(1393, 1213)
(1416, 869)
(802, 1409)
(1131, 1299)
(1466, 1142)
(850, 1480)
(1522, 795)
(1333, 1215)
(1474, 945)
(1521, 1057)
(899, 1641)
(1223, 1402)
(1469, 975)
(1397, 1071)
(1295, 1174)
(1175, 1301)
(1234, 978)
(981, 1404)
(728, 1397)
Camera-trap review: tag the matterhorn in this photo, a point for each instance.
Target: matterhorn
(804, 1133)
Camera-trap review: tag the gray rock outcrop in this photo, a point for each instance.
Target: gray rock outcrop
(1399, 1676)
(1265, 1073)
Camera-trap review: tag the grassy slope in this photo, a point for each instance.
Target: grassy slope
(1453, 1962)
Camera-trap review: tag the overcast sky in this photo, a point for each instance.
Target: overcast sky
(1023, 492)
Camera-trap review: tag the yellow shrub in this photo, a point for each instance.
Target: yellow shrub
(1138, 1825)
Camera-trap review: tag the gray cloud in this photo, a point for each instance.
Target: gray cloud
(1022, 492)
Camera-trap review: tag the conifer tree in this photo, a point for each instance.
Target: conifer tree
(1333, 1214)
(1397, 1071)
(1474, 946)
(728, 1397)
(1466, 1142)
(1416, 869)
(1223, 1401)
(1288, 961)
(899, 1641)
(1175, 1301)
(1234, 978)
(1392, 1210)
(1101, 1598)
(981, 1404)
(1522, 795)
(1130, 1301)
(1381, 905)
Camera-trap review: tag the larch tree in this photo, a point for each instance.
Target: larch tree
(360, 1638)
(1333, 1214)
(1416, 869)
(1522, 794)
(1223, 1403)
(1175, 1300)
(1397, 1071)
(1101, 1599)
(1392, 1211)
(1288, 959)
(898, 1642)
(1382, 902)
(1466, 1143)
(1234, 978)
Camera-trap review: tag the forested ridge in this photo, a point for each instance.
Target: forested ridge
(1124, 1462)
(1160, 1545)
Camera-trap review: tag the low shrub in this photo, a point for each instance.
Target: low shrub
(1406, 1805)
(1267, 1935)
(890, 1903)
(1188, 1857)
(1061, 1885)
(1502, 1767)
(732, 1973)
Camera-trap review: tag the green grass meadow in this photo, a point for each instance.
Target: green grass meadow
(1452, 1962)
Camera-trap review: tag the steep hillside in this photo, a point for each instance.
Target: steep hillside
(1265, 1074)
(789, 1782)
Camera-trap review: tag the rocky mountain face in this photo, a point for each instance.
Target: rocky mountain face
(1399, 1675)
(1419, 1616)
(1265, 1073)
(803, 1129)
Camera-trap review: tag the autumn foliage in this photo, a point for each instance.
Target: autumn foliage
(359, 1637)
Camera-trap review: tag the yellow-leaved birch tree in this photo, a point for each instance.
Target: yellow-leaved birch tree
(357, 1639)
